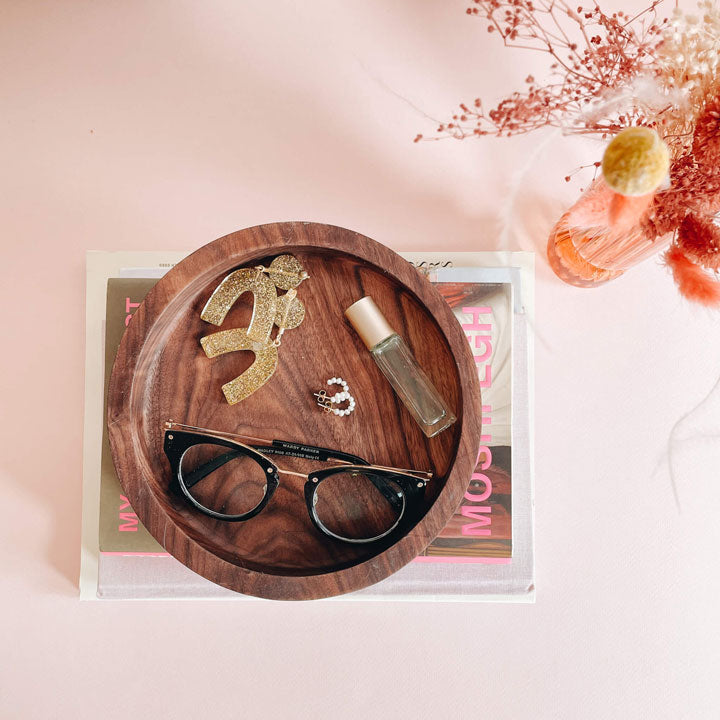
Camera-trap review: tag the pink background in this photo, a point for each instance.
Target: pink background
(142, 125)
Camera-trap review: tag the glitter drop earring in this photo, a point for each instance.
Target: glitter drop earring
(286, 312)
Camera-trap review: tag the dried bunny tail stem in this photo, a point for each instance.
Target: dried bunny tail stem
(693, 282)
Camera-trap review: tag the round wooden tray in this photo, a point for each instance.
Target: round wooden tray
(161, 373)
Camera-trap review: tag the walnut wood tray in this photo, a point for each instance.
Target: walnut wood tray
(162, 373)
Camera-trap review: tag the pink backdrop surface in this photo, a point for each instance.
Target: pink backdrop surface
(146, 125)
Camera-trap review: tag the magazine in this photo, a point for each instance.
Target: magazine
(480, 532)
(482, 526)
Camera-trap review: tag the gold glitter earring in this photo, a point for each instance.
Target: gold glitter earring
(286, 311)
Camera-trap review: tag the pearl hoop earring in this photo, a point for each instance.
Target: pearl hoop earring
(326, 401)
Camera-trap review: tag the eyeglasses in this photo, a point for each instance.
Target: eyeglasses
(353, 501)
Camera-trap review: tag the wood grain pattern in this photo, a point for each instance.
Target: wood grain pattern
(161, 373)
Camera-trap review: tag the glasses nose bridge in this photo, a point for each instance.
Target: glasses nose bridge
(292, 472)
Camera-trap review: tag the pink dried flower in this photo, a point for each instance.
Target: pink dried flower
(593, 54)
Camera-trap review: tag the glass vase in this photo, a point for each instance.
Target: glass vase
(585, 249)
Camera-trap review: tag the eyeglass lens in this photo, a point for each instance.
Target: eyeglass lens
(358, 506)
(223, 479)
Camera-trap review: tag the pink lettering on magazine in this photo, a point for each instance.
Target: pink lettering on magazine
(480, 516)
(128, 520)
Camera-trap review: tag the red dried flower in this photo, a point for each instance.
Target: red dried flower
(699, 239)
(706, 138)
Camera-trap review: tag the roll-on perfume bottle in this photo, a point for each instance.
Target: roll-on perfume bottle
(399, 366)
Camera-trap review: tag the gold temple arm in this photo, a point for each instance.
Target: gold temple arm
(169, 425)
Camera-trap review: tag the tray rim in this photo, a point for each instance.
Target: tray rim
(239, 248)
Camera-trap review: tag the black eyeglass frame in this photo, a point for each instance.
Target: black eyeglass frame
(179, 438)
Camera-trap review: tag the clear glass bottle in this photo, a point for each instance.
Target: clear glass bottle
(585, 250)
(399, 366)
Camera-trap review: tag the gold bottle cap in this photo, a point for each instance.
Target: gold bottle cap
(369, 323)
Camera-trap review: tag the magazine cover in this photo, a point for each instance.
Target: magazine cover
(482, 526)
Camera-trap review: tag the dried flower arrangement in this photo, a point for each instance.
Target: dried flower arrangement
(610, 72)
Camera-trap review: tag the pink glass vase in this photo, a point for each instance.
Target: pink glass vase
(600, 237)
